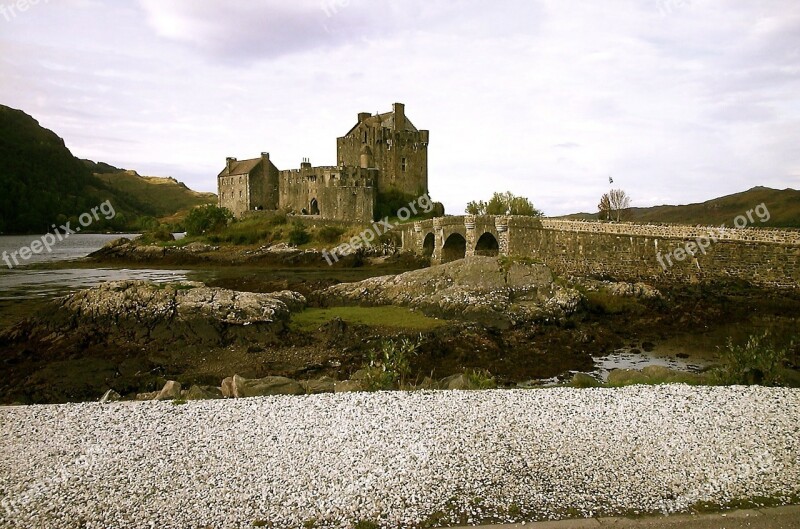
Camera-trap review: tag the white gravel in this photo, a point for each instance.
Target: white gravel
(396, 458)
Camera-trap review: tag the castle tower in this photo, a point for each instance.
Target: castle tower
(398, 150)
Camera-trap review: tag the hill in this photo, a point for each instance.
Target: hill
(163, 198)
(44, 184)
(783, 206)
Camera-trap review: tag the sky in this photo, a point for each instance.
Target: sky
(677, 101)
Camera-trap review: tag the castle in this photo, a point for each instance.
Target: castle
(381, 154)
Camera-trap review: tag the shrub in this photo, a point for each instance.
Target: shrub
(330, 234)
(299, 235)
(389, 368)
(480, 379)
(161, 233)
(206, 219)
(759, 361)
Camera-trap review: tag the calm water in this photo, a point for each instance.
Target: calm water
(32, 281)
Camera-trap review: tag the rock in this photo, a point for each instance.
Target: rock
(455, 382)
(348, 386)
(203, 393)
(110, 396)
(483, 289)
(170, 391)
(198, 247)
(151, 315)
(261, 387)
(316, 387)
(227, 388)
(583, 380)
(648, 346)
(147, 396)
(360, 375)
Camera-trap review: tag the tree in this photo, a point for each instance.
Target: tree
(206, 219)
(614, 205)
(504, 204)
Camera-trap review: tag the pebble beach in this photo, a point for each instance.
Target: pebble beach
(396, 459)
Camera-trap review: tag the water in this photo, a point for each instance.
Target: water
(74, 247)
(35, 281)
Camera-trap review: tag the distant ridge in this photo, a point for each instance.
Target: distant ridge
(44, 184)
(783, 206)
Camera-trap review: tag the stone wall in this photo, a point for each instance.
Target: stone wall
(337, 193)
(631, 252)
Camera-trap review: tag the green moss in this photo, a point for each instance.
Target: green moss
(602, 302)
(387, 316)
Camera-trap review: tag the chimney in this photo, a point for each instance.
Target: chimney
(306, 163)
(229, 163)
(399, 116)
(362, 116)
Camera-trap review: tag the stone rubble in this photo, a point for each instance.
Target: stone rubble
(400, 459)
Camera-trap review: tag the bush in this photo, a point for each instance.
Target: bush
(759, 361)
(389, 368)
(299, 235)
(161, 233)
(205, 219)
(330, 234)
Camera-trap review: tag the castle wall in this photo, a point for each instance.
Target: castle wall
(341, 193)
(234, 194)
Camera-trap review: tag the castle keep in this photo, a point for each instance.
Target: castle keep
(381, 154)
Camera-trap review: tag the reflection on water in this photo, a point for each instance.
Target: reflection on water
(73, 247)
(627, 359)
(30, 284)
(27, 282)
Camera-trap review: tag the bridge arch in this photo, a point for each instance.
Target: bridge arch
(487, 245)
(454, 248)
(429, 245)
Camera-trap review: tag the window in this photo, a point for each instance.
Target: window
(403, 164)
(365, 137)
(241, 194)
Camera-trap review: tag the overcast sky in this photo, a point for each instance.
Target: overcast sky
(677, 100)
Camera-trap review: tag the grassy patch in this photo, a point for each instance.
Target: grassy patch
(388, 316)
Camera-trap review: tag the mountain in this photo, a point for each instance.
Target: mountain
(783, 206)
(163, 198)
(44, 184)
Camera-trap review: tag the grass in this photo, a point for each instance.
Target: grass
(389, 316)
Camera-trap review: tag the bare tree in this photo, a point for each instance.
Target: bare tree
(613, 205)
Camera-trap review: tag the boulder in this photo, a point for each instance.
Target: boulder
(582, 380)
(262, 387)
(455, 382)
(170, 391)
(147, 396)
(315, 387)
(203, 393)
(227, 388)
(348, 386)
(110, 396)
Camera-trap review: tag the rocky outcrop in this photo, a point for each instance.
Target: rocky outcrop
(483, 289)
(239, 387)
(187, 314)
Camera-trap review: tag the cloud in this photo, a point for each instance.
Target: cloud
(244, 31)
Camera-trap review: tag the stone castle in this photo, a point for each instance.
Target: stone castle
(381, 154)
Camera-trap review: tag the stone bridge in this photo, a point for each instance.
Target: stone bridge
(623, 251)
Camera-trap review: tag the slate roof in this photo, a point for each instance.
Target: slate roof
(241, 167)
